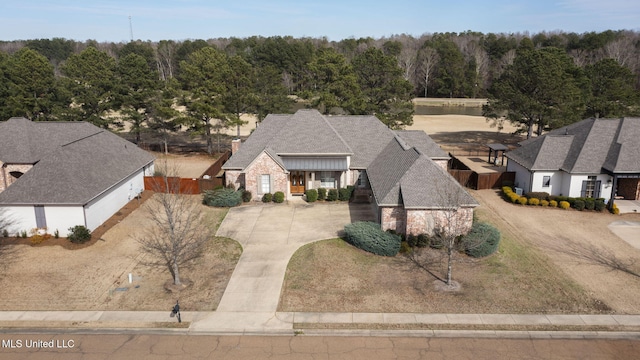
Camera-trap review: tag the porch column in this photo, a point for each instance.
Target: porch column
(613, 191)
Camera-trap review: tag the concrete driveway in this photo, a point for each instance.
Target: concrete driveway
(269, 235)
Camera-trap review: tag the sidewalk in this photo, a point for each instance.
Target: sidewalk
(282, 323)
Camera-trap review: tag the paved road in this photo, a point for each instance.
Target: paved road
(144, 346)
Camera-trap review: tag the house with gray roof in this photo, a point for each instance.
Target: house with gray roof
(57, 175)
(596, 158)
(405, 172)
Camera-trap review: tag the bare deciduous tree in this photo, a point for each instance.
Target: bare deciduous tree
(178, 233)
(428, 61)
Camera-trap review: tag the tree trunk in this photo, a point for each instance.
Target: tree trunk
(207, 131)
(449, 255)
(176, 274)
(530, 124)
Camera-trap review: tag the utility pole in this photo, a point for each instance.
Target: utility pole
(130, 28)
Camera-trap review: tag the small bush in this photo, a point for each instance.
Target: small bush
(522, 200)
(507, 189)
(23, 234)
(544, 203)
(369, 237)
(278, 197)
(553, 203)
(322, 194)
(405, 248)
(540, 195)
(599, 205)
(332, 195)
(222, 198)
(267, 198)
(579, 204)
(79, 234)
(344, 194)
(514, 197)
(56, 234)
(590, 204)
(482, 240)
(312, 195)
(5, 233)
(615, 210)
(533, 201)
(564, 205)
(246, 195)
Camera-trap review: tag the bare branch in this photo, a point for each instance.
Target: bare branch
(595, 255)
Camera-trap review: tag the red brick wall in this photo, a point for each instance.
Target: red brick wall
(264, 164)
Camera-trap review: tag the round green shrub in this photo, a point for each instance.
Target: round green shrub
(322, 194)
(224, 197)
(564, 205)
(332, 195)
(579, 204)
(553, 203)
(267, 198)
(522, 200)
(482, 240)
(600, 205)
(246, 195)
(369, 237)
(533, 201)
(590, 204)
(278, 197)
(344, 194)
(312, 195)
(79, 234)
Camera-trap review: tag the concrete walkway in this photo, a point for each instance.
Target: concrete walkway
(628, 231)
(269, 235)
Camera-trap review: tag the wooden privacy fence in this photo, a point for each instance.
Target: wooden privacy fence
(210, 179)
(473, 180)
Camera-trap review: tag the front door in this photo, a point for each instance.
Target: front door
(296, 179)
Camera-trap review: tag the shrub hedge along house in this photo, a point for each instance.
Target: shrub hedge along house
(593, 158)
(403, 172)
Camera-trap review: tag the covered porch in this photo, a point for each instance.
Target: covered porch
(313, 172)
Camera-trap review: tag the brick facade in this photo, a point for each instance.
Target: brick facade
(263, 165)
(5, 177)
(629, 188)
(416, 222)
(393, 218)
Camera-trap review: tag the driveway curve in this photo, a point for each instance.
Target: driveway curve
(269, 235)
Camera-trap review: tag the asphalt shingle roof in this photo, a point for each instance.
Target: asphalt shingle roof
(75, 170)
(587, 146)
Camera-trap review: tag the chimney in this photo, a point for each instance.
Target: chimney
(235, 145)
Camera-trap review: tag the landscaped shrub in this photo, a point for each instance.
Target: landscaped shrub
(533, 201)
(589, 204)
(322, 194)
(278, 197)
(615, 210)
(312, 195)
(344, 194)
(514, 197)
(79, 234)
(599, 205)
(224, 197)
(553, 203)
(405, 248)
(564, 205)
(579, 204)
(56, 234)
(544, 203)
(39, 236)
(507, 189)
(266, 198)
(5, 233)
(482, 240)
(522, 200)
(369, 237)
(332, 195)
(540, 195)
(246, 195)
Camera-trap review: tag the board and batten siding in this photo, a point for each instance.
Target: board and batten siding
(101, 208)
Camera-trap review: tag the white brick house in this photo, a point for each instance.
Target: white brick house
(405, 171)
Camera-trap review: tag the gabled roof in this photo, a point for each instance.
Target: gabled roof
(401, 175)
(421, 141)
(587, 146)
(73, 172)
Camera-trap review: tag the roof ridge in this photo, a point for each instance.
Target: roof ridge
(335, 132)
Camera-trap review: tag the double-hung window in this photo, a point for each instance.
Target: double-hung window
(265, 183)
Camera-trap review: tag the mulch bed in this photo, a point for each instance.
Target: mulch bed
(95, 234)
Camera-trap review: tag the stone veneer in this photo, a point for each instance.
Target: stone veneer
(5, 178)
(262, 165)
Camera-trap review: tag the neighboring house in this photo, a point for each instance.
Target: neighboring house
(405, 171)
(57, 175)
(596, 158)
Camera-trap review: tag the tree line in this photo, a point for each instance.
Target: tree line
(540, 81)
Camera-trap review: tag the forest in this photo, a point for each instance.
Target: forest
(540, 81)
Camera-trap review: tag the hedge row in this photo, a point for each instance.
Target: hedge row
(342, 194)
(544, 199)
(277, 197)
